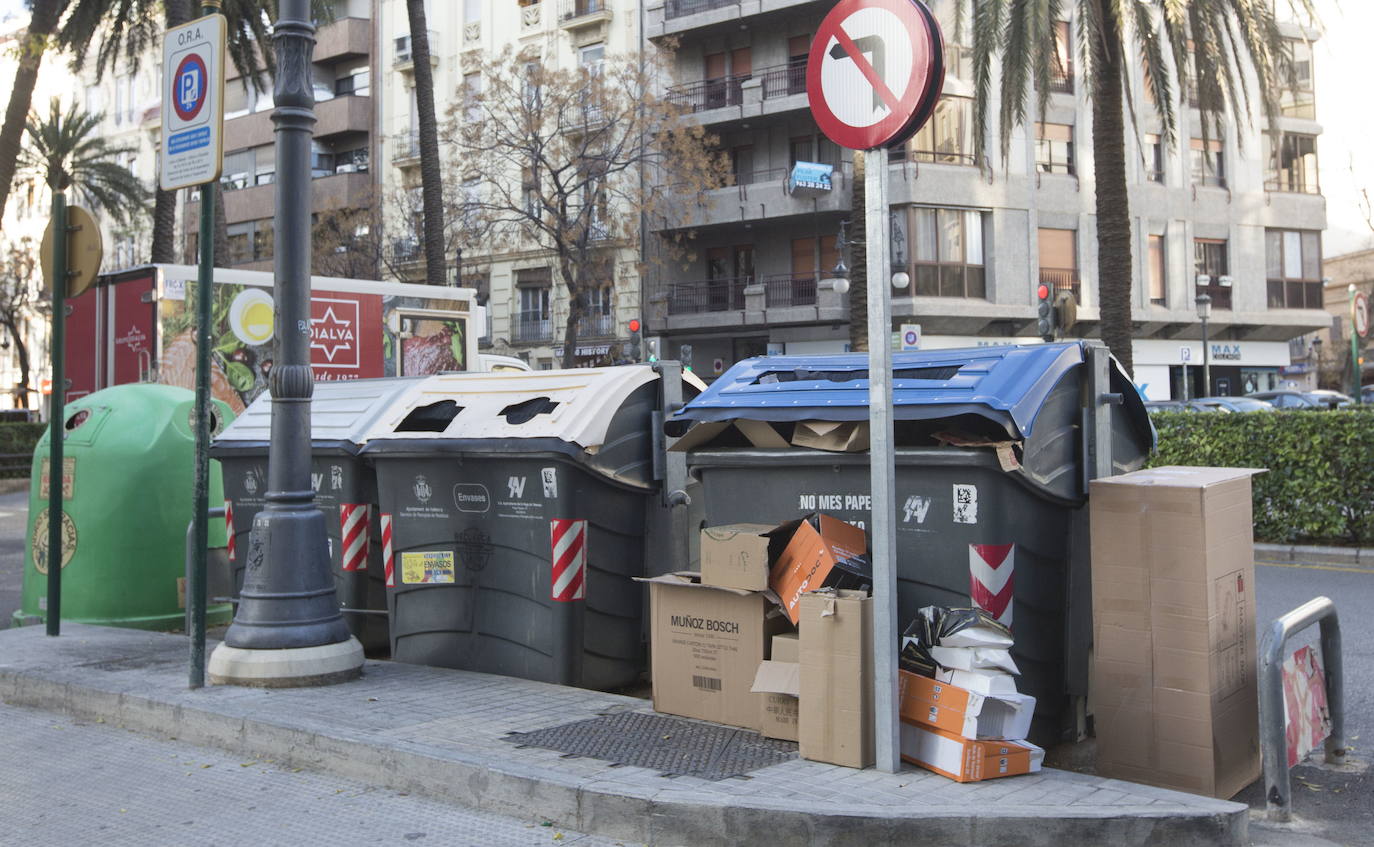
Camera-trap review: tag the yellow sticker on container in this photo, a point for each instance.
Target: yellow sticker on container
(68, 477)
(427, 567)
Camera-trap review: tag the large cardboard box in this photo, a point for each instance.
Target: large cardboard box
(814, 552)
(779, 683)
(705, 647)
(965, 759)
(735, 556)
(1173, 686)
(835, 713)
(963, 712)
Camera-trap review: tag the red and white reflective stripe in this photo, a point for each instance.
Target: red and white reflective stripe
(569, 539)
(990, 571)
(353, 521)
(229, 526)
(387, 558)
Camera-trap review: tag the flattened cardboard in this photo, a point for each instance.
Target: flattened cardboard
(705, 647)
(835, 714)
(1175, 699)
(735, 556)
(966, 759)
(975, 658)
(835, 436)
(758, 433)
(813, 552)
(963, 712)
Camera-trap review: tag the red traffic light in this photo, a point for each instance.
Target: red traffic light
(1043, 292)
(634, 324)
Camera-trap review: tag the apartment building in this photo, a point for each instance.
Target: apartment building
(526, 303)
(343, 149)
(1226, 217)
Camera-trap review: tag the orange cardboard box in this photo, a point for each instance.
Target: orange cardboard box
(804, 554)
(965, 759)
(962, 712)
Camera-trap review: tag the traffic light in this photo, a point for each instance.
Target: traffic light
(685, 356)
(1045, 312)
(653, 351)
(634, 339)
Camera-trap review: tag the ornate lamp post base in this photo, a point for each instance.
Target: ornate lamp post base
(295, 667)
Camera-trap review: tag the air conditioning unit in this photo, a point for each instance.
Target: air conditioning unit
(1203, 279)
(346, 169)
(1224, 281)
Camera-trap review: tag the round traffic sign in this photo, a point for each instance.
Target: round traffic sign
(190, 87)
(910, 337)
(84, 252)
(875, 66)
(1362, 315)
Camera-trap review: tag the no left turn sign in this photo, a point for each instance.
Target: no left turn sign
(874, 72)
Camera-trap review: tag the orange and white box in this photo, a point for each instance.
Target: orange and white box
(967, 759)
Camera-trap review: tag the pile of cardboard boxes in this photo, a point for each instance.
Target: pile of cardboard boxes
(775, 635)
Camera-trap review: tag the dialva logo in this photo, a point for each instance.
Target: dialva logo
(471, 497)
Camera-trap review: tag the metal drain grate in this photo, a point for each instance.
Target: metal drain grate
(670, 745)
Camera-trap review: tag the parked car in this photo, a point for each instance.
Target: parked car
(1290, 399)
(1332, 399)
(1175, 406)
(1367, 394)
(1235, 404)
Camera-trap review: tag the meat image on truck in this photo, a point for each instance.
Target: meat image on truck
(139, 325)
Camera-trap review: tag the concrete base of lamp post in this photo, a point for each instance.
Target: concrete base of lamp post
(289, 668)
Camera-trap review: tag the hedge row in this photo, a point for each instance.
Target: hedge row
(17, 441)
(1320, 484)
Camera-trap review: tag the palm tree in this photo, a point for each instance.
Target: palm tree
(1210, 44)
(431, 173)
(66, 152)
(43, 19)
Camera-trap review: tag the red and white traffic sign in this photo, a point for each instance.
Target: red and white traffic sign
(1361, 315)
(874, 72)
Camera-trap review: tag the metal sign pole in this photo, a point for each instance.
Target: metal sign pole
(56, 412)
(887, 730)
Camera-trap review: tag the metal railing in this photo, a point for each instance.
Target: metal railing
(681, 8)
(1061, 79)
(1062, 279)
(795, 289)
(570, 9)
(784, 80)
(532, 326)
(709, 93)
(596, 325)
(1273, 736)
(714, 295)
(407, 146)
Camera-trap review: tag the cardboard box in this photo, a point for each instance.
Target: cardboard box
(730, 433)
(835, 714)
(779, 683)
(835, 436)
(735, 556)
(963, 712)
(705, 647)
(965, 759)
(1174, 692)
(814, 552)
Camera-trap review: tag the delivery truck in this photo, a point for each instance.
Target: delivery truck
(139, 325)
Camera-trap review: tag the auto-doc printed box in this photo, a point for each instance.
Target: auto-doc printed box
(815, 551)
(967, 759)
(706, 644)
(1173, 684)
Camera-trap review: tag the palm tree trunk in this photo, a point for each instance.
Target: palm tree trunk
(1109, 170)
(164, 247)
(42, 25)
(431, 176)
(858, 260)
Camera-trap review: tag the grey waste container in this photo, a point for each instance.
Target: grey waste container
(1012, 540)
(345, 490)
(515, 505)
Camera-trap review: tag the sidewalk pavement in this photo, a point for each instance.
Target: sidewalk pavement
(439, 732)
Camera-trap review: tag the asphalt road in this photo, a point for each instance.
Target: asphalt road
(14, 511)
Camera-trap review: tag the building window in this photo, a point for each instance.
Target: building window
(811, 148)
(1054, 148)
(1061, 75)
(1208, 162)
(947, 138)
(1158, 287)
(798, 51)
(1297, 99)
(529, 186)
(472, 198)
(1059, 260)
(237, 171)
(533, 321)
(1212, 271)
(1293, 268)
(947, 253)
(1293, 166)
(472, 11)
(592, 58)
(355, 82)
(1154, 158)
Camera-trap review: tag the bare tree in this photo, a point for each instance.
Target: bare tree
(19, 303)
(571, 161)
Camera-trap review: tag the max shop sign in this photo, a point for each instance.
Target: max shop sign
(1226, 352)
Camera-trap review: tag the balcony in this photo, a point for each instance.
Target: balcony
(664, 18)
(403, 60)
(712, 295)
(597, 325)
(750, 91)
(258, 202)
(709, 93)
(531, 327)
(406, 150)
(1062, 279)
(761, 194)
(1061, 79)
(339, 115)
(576, 14)
(682, 8)
(345, 38)
(795, 289)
